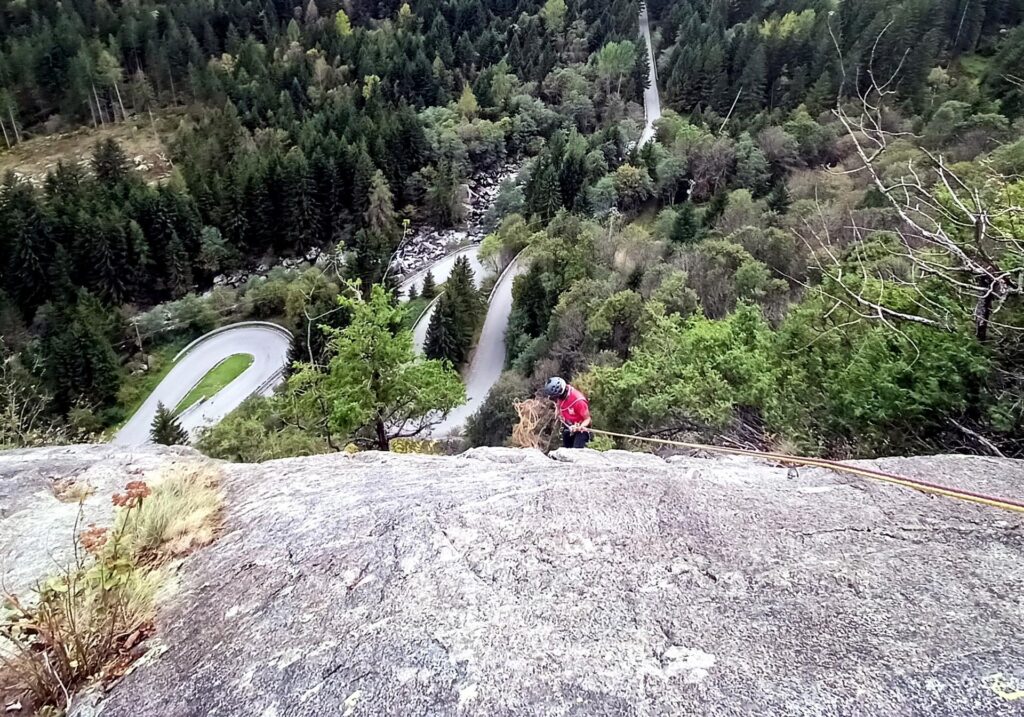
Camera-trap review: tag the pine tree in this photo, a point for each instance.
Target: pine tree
(109, 163)
(779, 199)
(165, 429)
(543, 195)
(108, 264)
(362, 180)
(686, 229)
(462, 287)
(372, 251)
(25, 244)
(715, 209)
(342, 25)
(445, 337)
(429, 290)
(412, 295)
(466, 307)
(467, 104)
(753, 81)
(443, 197)
(76, 353)
(301, 212)
(572, 173)
(380, 214)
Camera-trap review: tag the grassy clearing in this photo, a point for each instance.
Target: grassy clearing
(219, 376)
(87, 621)
(37, 156)
(975, 66)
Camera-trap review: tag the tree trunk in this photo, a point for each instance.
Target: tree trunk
(92, 111)
(983, 309)
(983, 316)
(7, 140)
(117, 91)
(174, 92)
(14, 124)
(383, 442)
(99, 107)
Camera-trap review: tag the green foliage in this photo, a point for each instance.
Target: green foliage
(165, 429)
(723, 274)
(688, 371)
(686, 227)
(444, 195)
(615, 324)
(76, 353)
(864, 388)
(257, 431)
(375, 387)
(429, 290)
(633, 186)
(467, 103)
(342, 25)
(493, 422)
(543, 196)
(331, 132)
(446, 336)
(769, 57)
(779, 200)
(456, 318)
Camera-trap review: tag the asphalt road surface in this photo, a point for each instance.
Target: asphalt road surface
(442, 268)
(419, 331)
(652, 100)
(488, 360)
(269, 348)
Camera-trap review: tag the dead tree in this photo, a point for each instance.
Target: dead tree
(959, 242)
(969, 235)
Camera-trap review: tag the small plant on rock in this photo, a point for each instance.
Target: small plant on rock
(87, 621)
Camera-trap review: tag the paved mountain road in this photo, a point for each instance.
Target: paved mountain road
(441, 269)
(488, 360)
(652, 100)
(444, 270)
(266, 343)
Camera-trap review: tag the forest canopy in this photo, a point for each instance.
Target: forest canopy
(821, 250)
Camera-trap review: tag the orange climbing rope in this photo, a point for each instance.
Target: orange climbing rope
(913, 483)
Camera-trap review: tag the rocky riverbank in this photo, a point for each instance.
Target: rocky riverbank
(427, 244)
(423, 247)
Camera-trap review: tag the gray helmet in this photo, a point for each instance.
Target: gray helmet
(555, 387)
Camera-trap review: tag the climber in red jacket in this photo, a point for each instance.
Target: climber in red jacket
(573, 410)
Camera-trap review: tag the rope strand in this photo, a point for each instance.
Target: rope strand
(882, 476)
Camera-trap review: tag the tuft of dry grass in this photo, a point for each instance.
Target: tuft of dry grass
(87, 622)
(181, 513)
(72, 490)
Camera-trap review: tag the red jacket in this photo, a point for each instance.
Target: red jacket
(574, 408)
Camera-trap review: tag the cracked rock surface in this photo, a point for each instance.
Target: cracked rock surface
(503, 582)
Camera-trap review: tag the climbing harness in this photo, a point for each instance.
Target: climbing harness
(912, 483)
